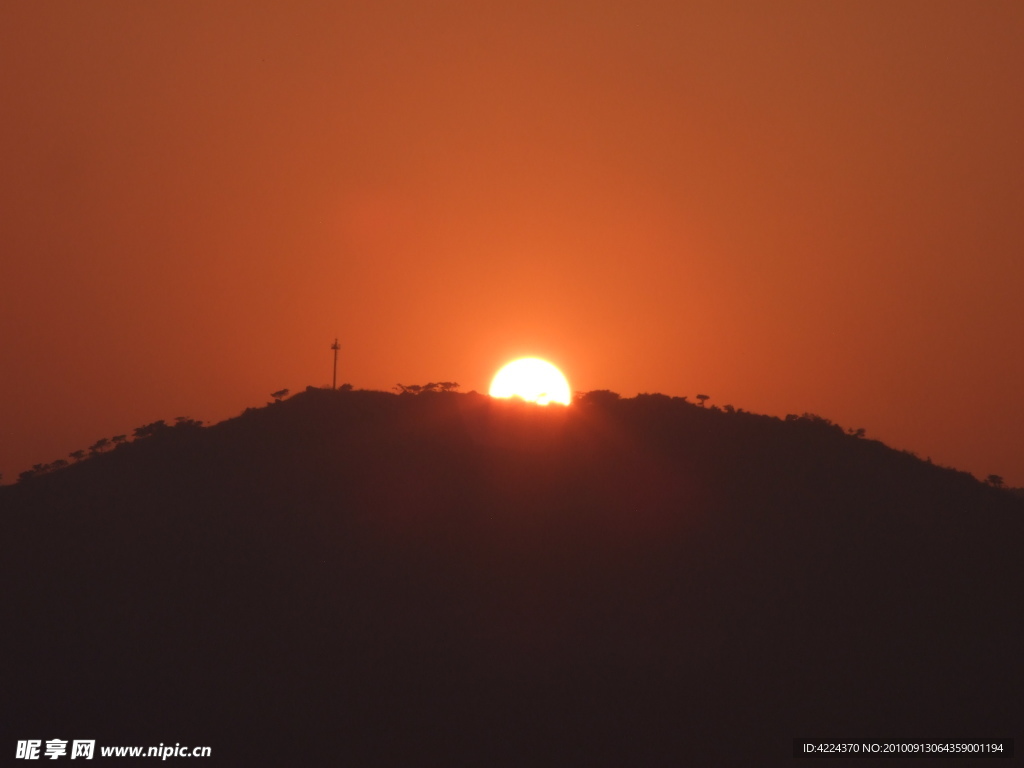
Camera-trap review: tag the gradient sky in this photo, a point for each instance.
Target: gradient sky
(788, 206)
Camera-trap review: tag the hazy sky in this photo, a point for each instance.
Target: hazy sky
(788, 206)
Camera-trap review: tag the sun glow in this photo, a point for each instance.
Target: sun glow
(532, 379)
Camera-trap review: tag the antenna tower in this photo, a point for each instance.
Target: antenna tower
(335, 346)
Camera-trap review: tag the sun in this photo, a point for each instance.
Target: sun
(532, 379)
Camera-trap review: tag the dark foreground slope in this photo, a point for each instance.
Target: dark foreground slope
(358, 578)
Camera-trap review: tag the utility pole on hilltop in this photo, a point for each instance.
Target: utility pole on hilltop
(335, 346)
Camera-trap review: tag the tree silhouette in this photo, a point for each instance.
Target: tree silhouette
(279, 395)
(995, 481)
(597, 397)
(148, 430)
(100, 445)
(77, 455)
(702, 398)
(433, 386)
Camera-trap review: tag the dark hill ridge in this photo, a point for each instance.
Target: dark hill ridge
(371, 579)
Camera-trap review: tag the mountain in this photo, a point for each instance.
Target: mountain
(362, 578)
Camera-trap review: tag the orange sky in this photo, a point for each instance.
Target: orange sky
(789, 206)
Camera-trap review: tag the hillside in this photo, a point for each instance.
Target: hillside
(361, 578)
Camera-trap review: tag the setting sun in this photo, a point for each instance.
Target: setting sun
(532, 379)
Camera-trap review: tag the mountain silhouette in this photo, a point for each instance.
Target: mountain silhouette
(365, 578)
